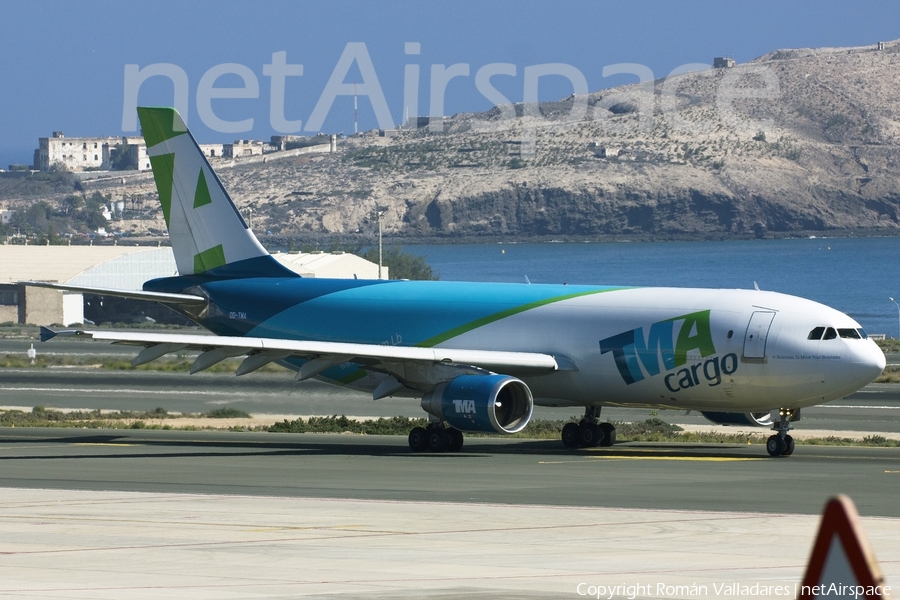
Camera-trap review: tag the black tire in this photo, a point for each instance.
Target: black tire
(456, 440)
(438, 440)
(788, 446)
(775, 446)
(418, 439)
(591, 435)
(609, 434)
(571, 435)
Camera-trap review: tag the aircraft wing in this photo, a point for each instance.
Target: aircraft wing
(394, 360)
(135, 294)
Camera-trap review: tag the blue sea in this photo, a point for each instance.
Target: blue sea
(853, 275)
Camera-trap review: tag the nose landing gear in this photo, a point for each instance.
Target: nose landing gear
(782, 444)
(589, 432)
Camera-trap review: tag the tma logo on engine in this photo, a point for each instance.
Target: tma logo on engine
(662, 350)
(464, 406)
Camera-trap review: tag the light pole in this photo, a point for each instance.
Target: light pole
(379, 214)
(898, 312)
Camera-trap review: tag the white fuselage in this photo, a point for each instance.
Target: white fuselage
(755, 355)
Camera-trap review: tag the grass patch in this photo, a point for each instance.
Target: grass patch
(180, 364)
(889, 345)
(891, 374)
(226, 413)
(96, 419)
(336, 424)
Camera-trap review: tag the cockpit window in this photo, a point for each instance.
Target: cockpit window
(829, 333)
(816, 334)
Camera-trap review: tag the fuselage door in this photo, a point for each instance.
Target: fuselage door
(757, 332)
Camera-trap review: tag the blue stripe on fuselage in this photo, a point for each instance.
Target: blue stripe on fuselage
(403, 313)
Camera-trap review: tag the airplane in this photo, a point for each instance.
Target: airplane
(480, 356)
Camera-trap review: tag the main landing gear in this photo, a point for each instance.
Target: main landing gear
(782, 444)
(435, 438)
(589, 432)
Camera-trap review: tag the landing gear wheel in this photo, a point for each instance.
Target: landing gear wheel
(456, 440)
(609, 434)
(788, 446)
(591, 435)
(418, 439)
(776, 446)
(438, 439)
(782, 444)
(571, 435)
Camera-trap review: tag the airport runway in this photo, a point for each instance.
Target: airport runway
(631, 475)
(112, 514)
(137, 513)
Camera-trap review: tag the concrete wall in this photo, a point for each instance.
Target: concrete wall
(9, 314)
(41, 306)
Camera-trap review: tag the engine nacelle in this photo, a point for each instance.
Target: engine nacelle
(485, 403)
(762, 419)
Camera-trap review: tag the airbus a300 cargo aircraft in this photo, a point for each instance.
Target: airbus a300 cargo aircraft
(479, 356)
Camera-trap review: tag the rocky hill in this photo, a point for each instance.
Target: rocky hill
(796, 141)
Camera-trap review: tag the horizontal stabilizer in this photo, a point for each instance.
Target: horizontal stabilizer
(134, 294)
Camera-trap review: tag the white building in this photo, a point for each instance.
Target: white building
(243, 148)
(212, 150)
(83, 153)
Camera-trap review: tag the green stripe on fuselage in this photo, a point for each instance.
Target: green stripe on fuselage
(457, 331)
(354, 376)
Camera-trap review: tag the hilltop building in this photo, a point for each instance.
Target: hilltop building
(723, 62)
(130, 152)
(243, 148)
(89, 153)
(212, 150)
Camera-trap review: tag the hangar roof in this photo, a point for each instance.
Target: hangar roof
(127, 267)
(55, 263)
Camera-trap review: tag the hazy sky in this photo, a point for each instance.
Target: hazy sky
(63, 64)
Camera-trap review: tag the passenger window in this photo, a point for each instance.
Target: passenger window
(850, 334)
(830, 334)
(816, 334)
(862, 333)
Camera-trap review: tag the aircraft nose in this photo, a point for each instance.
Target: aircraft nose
(869, 362)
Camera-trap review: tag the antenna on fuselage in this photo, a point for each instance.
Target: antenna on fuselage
(528, 281)
(755, 286)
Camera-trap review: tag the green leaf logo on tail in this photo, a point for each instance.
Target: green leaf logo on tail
(205, 227)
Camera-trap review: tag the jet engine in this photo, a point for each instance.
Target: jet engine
(760, 419)
(485, 403)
